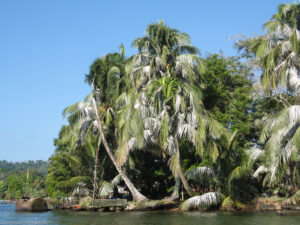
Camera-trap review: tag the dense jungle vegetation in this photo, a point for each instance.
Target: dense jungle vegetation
(170, 123)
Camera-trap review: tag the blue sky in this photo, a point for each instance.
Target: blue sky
(46, 47)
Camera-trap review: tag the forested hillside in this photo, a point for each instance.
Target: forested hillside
(38, 165)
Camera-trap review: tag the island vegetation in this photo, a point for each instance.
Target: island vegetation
(168, 123)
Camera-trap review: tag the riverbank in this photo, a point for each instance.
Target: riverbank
(262, 204)
(257, 205)
(87, 204)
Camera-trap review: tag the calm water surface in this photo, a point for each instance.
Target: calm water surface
(9, 216)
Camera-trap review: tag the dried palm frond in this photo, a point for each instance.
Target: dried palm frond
(204, 201)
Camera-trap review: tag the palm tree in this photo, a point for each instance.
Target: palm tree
(171, 110)
(164, 105)
(65, 169)
(135, 193)
(106, 78)
(106, 75)
(88, 119)
(281, 135)
(163, 40)
(277, 53)
(163, 50)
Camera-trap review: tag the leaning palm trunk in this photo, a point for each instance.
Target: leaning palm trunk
(184, 181)
(135, 193)
(95, 173)
(175, 193)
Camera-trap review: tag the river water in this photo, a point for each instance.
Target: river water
(8, 216)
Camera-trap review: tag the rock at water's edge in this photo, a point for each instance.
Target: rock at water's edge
(31, 205)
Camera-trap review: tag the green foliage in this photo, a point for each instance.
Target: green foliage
(19, 184)
(72, 164)
(86, 202)
(277, 55)
(182, 132)
(228, 204)
(277, 51)
(151, 175)
(242, 186)
(14, 183)
(228, 95)
(167, 106)
(106, 75)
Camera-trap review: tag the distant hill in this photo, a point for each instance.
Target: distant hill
(6, 167)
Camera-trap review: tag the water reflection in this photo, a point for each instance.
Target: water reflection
(9, 216)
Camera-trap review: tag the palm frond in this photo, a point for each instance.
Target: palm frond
(260, 170)
(253, 155)
(106, 189)
(200, 174)
(204, 201)
(238, 173)
(117, 180)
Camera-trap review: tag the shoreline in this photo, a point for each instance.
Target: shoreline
(285, 210)
(278, 205)
(257, 205)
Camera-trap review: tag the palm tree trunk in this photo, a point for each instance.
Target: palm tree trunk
(175, 194)
(95, 173)
(135, 193)
(184, 181)
(294, 181)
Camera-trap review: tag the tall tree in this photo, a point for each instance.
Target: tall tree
(166, 101)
